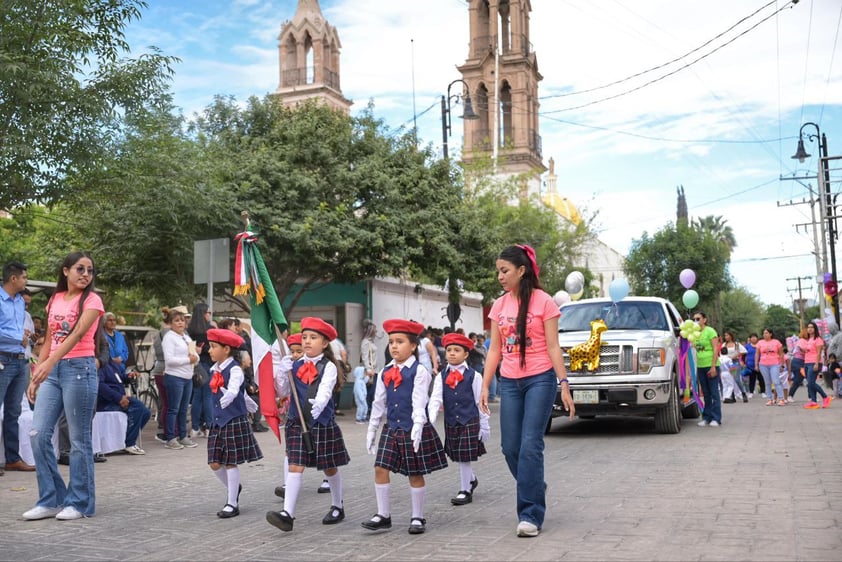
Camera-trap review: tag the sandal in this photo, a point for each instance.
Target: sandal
(781, 402)
(770, 403)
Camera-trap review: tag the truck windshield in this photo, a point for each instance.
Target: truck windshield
(624, 315)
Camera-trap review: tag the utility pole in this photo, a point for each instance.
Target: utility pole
(800, 297)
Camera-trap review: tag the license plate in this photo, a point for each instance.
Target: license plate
(586, 396)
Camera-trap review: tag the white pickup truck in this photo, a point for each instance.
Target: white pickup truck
(638, 361)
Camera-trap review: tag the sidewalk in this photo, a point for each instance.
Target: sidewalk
(767, 485)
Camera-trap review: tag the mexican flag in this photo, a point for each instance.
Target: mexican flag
(252, 279)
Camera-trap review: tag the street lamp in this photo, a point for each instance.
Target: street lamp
(824, 175)
(467, 113)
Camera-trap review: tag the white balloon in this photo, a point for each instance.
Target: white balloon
(575, 282)
(561, 298)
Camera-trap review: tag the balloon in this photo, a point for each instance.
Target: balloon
(561, 297)
(618, 289)
(577, 296)
(690, 298)
(574, 282)
(687, 278)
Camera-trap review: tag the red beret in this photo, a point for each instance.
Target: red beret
(319, 326)
(457, 339)
(225, 337)
(294, 339)
(402, 326)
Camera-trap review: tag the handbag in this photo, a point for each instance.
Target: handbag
(200, 374)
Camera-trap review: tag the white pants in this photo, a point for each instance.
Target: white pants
(728, 384)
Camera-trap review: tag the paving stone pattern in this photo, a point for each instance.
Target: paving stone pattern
(767, 485)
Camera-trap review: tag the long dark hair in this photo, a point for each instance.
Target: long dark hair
(528, 283)
(61, 283)
(198, 325)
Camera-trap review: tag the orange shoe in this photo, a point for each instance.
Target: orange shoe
(826, 401)
(811, 406)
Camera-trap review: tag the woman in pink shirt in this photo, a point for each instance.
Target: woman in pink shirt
(526, 337)
(812, 366)
(65, 379)
(768, 360)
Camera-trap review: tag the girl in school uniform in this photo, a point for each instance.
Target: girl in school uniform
(409, 444)
(466, 427)
(314, 377)
(230, 439)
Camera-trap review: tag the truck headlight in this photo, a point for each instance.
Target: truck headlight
(649, 357)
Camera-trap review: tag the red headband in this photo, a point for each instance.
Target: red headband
(530, 253)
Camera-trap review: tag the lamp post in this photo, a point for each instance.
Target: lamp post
(824, 176)
(467, 113)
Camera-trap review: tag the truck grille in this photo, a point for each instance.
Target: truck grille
(613, 360)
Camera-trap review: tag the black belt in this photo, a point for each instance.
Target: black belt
(13, 356)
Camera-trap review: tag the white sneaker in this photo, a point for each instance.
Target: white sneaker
(40, 512)
(750, 395)
(702, 423)
(790, 399)
(173, 444)
(763, 394)
(134, 450)
(527, 529)
(195, 433)
(714, 423)
(69, 513)
(187, 442)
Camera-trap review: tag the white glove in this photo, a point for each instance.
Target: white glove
(286, 364)
(415, 435)
(432, 415)
(251, 405)
(370, 446)
(484, 434)
(316, 410)
(227, 397)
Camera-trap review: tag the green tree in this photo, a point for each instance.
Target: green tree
(715, 226)
(782, 321)
(63, 85)
(742, 313)
(655, 262)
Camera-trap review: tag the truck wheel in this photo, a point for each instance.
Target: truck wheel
(668, 418)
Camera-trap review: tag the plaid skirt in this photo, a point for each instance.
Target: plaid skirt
(233, 444)
(396, 453)
(328, 443)
(461, 442)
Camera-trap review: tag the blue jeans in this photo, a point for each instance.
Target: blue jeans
(360, 391)
(71, 387)
(812, 386)
(772, 377)
(201, 409)
(797, 377)
(137, 415)
(178, 400)
(14, 379)
(525, 407)
(710, 388)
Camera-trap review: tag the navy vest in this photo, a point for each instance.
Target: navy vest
(305, 392)
(399, 400)
(460, 406)
(237, 408)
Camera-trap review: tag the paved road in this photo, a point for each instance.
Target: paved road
(767, 485)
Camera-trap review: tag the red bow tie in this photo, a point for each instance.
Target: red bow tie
(216, 382)
(307, 373)
(454, 377)
(393, 375)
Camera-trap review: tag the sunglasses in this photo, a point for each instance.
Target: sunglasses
(81, 270)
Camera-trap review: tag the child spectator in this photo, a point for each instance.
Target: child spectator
(409, 444)
(314, 377)
(466, 428)
(728, 382)
(230, 439)
(834, 373)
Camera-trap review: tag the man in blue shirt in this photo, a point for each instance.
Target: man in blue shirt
(14, 376)
(116, 344)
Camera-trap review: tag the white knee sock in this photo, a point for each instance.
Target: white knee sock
(233, 484)
(286, 469)
(293, 486)
(335, 482)
(418, 501)
(465, 476)
(384, 506)
(222, 474)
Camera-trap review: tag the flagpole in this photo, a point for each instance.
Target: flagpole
(305, 431)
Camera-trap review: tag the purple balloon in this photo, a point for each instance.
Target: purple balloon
(687, 278)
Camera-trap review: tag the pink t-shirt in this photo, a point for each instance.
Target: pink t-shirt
(62, 318)
(811, 349)
(504, 314)
(768, 351)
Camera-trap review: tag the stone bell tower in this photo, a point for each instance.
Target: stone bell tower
(309, 59)
(502, 75)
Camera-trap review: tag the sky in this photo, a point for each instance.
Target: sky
(707, 95)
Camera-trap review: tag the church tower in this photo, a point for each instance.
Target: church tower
(309, 59)
(502, 75)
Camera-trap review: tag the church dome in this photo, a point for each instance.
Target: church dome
(563, 206)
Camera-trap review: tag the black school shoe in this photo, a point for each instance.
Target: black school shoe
(377, 523)
(324, 487)
(280, 519)
(280, 491)
(419, 527)
(222, 514)
(474, 484)
(335, 515)
(462, 498)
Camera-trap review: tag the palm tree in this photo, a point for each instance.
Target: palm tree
(716, 227)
